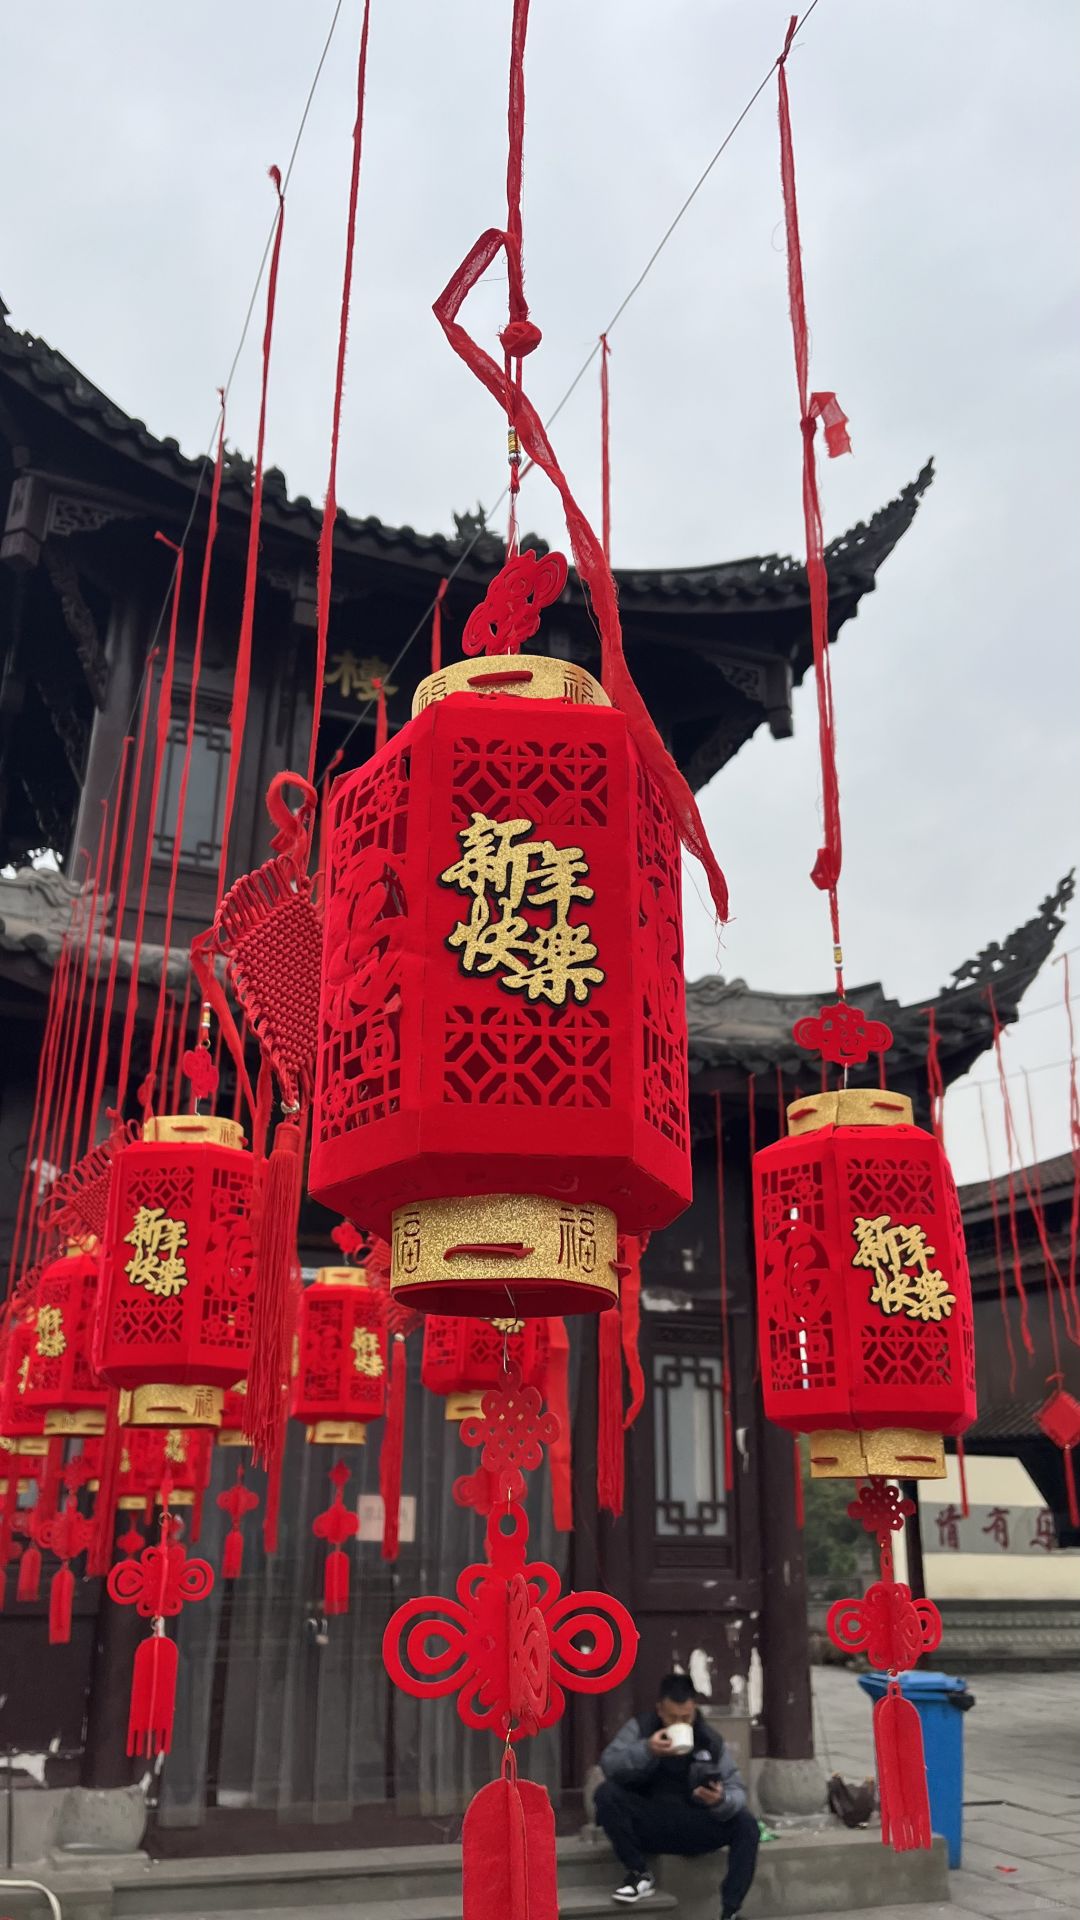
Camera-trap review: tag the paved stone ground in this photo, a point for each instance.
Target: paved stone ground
(1021, 1792)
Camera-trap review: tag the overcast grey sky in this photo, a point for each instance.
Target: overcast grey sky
(937, 156)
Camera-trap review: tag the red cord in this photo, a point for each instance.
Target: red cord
(812, 407)
(605, 448)
(242, 669)
(122, 891)
(326, 534)
(725, 1316)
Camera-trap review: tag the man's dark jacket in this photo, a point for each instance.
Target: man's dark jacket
(628, 1763)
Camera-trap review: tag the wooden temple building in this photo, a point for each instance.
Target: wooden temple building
(286, 1722)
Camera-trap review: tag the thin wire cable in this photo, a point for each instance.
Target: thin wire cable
(425, 617)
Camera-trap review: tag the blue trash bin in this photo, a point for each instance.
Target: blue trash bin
(940, 1699)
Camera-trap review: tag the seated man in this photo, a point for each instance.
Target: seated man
(671, 1786)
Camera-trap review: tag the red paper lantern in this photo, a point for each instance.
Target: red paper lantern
(502, 1081)
(865, 1320)
(464, 1358)
(151, 1455)
(17, 1342)
(60, 1381)
(178, 1281)
(341, 1355)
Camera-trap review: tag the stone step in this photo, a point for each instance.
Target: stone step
(575, 1903)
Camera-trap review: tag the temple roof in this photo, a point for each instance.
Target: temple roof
(761, 582)
(735, 1026)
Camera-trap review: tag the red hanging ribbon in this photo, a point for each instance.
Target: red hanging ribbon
(392, 1450)
(436, 626)
(242, 668)
(812, 408)
(504, 384)
(557, 1395)
(1074, 1140)
(326, 533)
(610, 1444)
(725, 1313)
(605, 448)
(935, 1083)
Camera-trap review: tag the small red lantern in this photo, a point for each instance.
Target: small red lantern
(341, 1355)
(502, 1080)
(865, 1320)
(465, 1358)
(60, 1381)
(175, 1307)
(151, 1455)
(17, 1343)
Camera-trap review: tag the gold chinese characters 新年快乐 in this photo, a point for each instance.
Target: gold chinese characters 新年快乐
(503, 872)
(899, 1258)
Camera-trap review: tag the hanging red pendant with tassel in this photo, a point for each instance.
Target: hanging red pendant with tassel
(159, 1583)
(337, 1525)
(508, 1861)
(236, 1501)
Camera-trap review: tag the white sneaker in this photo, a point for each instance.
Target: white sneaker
(636, 1886)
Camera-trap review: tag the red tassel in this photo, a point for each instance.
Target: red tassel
(800, 1497)
(1070, 1487)
(29, 1587)
(61, 1595)
(336, 1582)
(153, 1696)
(508, 1864)
(278, 1215)
(610, 1459)
(630, 1316)
(560, 1452)
(232, 1559)
(393, 1447)
(901, 1765)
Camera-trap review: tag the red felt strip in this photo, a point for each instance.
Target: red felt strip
(605, 448)
(61, 1595)
(725, 1311)
(630, 1316)
(161, 739)
(812, 407)
(99, 1554)
(153, 1696)
(242, 669)
(336, 1582)
(436, 626)
(901, 1770)
(29, 1581)
(560, 1462)
(326, 534)
(392, 1450)
(610, 1444)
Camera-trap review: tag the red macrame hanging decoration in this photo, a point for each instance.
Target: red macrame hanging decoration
(893, 1631)
(236, 1501)
(67, 1534)
(509, 1643)
(337, 1524)
(159, 1584)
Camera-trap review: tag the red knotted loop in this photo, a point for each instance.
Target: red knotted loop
(293, 835)
(520, 337)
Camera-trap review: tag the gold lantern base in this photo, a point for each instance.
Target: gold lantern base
(179, 1129)
(850, 1107)
(530, 676)
(464, 1406)
(33, 1446)
(172, 1406)
(891, 1453)
(336, 1433)
(86, 1422)
(504, 1252)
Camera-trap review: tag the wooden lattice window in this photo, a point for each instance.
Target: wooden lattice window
(688, 1449)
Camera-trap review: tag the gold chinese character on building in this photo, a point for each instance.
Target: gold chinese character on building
(504, 872)
(367, 1353)
(357, 679)
(157, 1262)
(899, 1259)
(51, 1339)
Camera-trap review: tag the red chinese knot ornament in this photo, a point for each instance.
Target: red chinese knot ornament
(159, 1583)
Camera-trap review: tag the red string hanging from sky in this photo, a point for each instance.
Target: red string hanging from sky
(161, 737)
(242, 670)
(526, 430)
(185, 766)
(30, 1186)
(125, 881)
(79, 1145)
(999, 1253)
(1074, 1142)
(725, 1315)
(326, 534)
(605, 448)
(812, 408)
